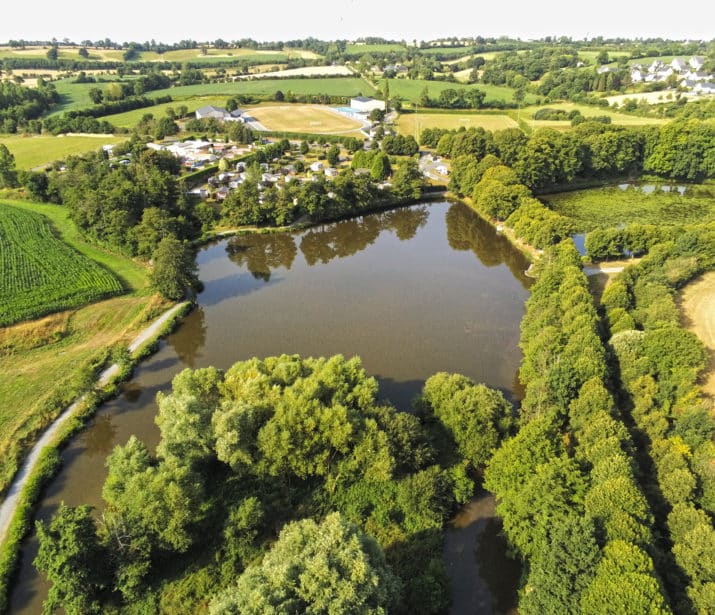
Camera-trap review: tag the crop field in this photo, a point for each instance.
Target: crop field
(40, 273)
(33, 151)
(305, 71)
(414, 123)
(303, 118)
(411, 90)
(614, 206)
(64, 53)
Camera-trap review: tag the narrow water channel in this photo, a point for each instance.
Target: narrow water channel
(412, 291)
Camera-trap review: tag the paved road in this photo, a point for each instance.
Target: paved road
(7, 509)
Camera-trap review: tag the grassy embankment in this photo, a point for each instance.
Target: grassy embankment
(610, 207)
(46, 363)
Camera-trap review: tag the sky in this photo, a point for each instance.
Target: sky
(142, 20)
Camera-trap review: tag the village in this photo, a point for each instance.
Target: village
(687, 74)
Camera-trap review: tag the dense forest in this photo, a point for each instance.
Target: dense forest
(245, 452)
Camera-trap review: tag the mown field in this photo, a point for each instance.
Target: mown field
(411, 90)
(414, 123)
(40, 274)
(303, 118)
(32, 151)
(614, 206)
(352, 48)
(64, 53)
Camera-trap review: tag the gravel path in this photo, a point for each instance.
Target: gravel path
(9, 504)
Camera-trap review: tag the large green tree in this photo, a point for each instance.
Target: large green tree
(329, 567)
(174, 272)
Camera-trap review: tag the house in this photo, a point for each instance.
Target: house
(316, 166)
(678, 64)
(696, 62)
(365, 104)
(331, 172)
(217, 113)
(606, 69)
(442, 170)
(704, 87)
(637, 75)
(221, 194)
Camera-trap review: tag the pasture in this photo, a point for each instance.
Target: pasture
(359, 49)
(303, 118)
(40, 273)
(33, 151)
(414, 123)
(305, 71)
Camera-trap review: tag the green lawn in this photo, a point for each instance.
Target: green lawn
(411, 89)
(446, 51)
(33, 151)
(612, 206)
(133, 275)
(75, 95)
(621, 119)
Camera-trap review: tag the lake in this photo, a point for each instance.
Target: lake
(412, 291)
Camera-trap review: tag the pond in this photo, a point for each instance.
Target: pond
(412, 291)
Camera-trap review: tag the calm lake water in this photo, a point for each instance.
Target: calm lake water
(412, 291)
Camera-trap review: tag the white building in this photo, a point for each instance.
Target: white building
(219, 113)
(365, 104)
(696, 62)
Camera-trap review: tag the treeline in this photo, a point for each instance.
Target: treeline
(118, 106)
(548, 158)
(672, 426)
(350, 193)
(511, 68)
(20, 105)
(243, 453)
(566, 485)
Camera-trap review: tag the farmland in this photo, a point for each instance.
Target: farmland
(42, 274)
(614, 206)
(32, 151)
(303, 118)
(359, 49)
(411, 89)
(414, 123)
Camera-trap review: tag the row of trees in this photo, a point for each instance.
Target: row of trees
(566, 486)
(245, 452)
(658, 365)
(20, 105)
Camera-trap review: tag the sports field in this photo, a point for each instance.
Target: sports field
(414, 123)
(32, 151)
(303, 118)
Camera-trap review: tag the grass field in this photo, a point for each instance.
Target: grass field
(39, 150)
(74, 95)
(411, 90)
(587, 110)
(613, 206)
(64, 53)
(697, 303)
(339, 86)
(414, 123)
(40, 274)
(305, 71)
(303, 118)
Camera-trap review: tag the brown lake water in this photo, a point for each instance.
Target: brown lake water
(412, 291)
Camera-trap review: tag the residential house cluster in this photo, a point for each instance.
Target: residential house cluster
(688, 72)
(196, 154)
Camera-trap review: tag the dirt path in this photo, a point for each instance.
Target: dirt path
(697, 303)
(9, 504)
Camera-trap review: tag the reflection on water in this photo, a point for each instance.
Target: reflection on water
(412, 292)
(484, 579)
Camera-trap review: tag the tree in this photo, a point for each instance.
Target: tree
(333, 156)
(279, 96)
(73, 560)
(8, 174)
(83, 53)
(174, 270)
(304, 147)
(380, 168)
(407, 181)
(331, 567)
(52, 53)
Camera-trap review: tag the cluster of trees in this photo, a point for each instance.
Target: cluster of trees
(451, 98)
(245, 452)
(509, 68)
(565, 485)
(118, 106)
(376, 161)
(680, 150)
(130, 207)
(238, 132)
(20, 105)
(400, 145)
(632, 239)
(659, 363)
(136, 87)
(348, 194)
